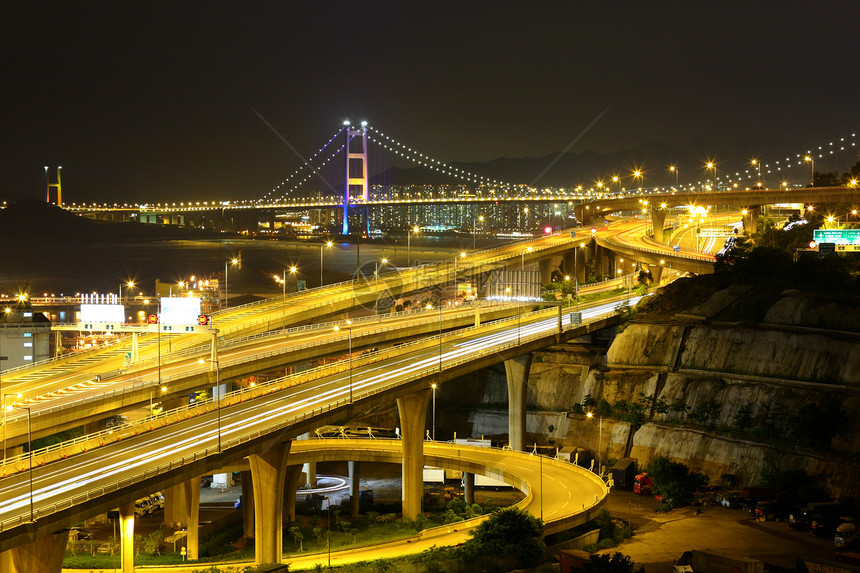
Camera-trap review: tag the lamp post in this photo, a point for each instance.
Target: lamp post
(349, 333)
(599, 440)
(475, 232)
(327, 244)
(712, 165)
(676, 171)
(328, 533)
(409, 245)
(129, 284)
(5, 409)
(379, 267)
(433, 385)
(811, 161)
(757, 164)
(637, 174)
(163, 390)
(233, 261)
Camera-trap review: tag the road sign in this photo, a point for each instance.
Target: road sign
(826, 249)
(837, 236)
(152, 318)
(301, 284)
(203, 320)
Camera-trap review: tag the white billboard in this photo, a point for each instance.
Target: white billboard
(103, 313)
(180, 310)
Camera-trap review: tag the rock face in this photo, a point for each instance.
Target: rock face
(756, 357)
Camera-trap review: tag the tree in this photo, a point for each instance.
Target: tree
(297, 537)
(674, 481)
(817, 424)
(511, 533)
(617, 563)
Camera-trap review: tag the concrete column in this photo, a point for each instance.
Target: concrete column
(182, 509)
(354, 481)
(658, 217)
(291, 486)
(126, 537)
(656, 274)
(309, 468)
(44, 555)
(469, 487)
(268, 473)
(545, 266)
(413, 415)
(248, 504)
(517, 371)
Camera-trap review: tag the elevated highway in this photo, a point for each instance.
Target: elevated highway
(76, 480)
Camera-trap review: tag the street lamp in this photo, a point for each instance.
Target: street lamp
(433, 385)
(379, 267)
(163, 390)
(757, 164)
(811, 161)
(712, 165)
(234, 262)
(677, 172)
(409, 245)
(637, 174)
(217, 392)
(328, 533)
(475, 232)
(349, 331)
(5, 428)
(329, 245)
(129, 284)
(599, 440)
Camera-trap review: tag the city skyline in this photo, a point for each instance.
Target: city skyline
(156, 101)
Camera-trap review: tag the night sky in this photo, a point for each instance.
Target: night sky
(155, 101)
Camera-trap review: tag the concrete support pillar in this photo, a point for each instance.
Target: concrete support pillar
(656, 274)
(182, 509)
(291, 486)
(44, 555)
(354, 481)
(309, 468)
(658, 217)
(469, 487)
(247, 505)
(126, 537)
(545, 266)
(517, 371)
(268, 473)
(413, 415)
(135, 348)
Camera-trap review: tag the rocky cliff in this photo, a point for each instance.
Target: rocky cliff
(752, 358)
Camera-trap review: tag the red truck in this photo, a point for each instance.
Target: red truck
(642, 484)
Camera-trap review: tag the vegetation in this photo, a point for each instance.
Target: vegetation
(616, 563)
(674, 482)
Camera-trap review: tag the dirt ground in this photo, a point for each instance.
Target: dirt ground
(662, 537)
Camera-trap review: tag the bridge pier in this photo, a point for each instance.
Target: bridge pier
(247, 504)
(517, 373)
(656, 274)
(182, 506)
(658, 218)
(310, 468)
(44, 555)
(545, 266)
(126, 537)
(291, 485)
(268, 471)
(413, 415)
(354, 481)
(469, 488)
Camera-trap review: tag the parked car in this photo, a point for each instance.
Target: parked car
(157, 500)
(142, 506)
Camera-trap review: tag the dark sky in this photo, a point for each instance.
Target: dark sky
(154, 101)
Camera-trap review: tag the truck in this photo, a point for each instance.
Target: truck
(642, 484)
(708, 562)
(623, 471)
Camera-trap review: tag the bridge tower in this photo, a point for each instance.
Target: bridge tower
(58, 185)
(355, 177)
